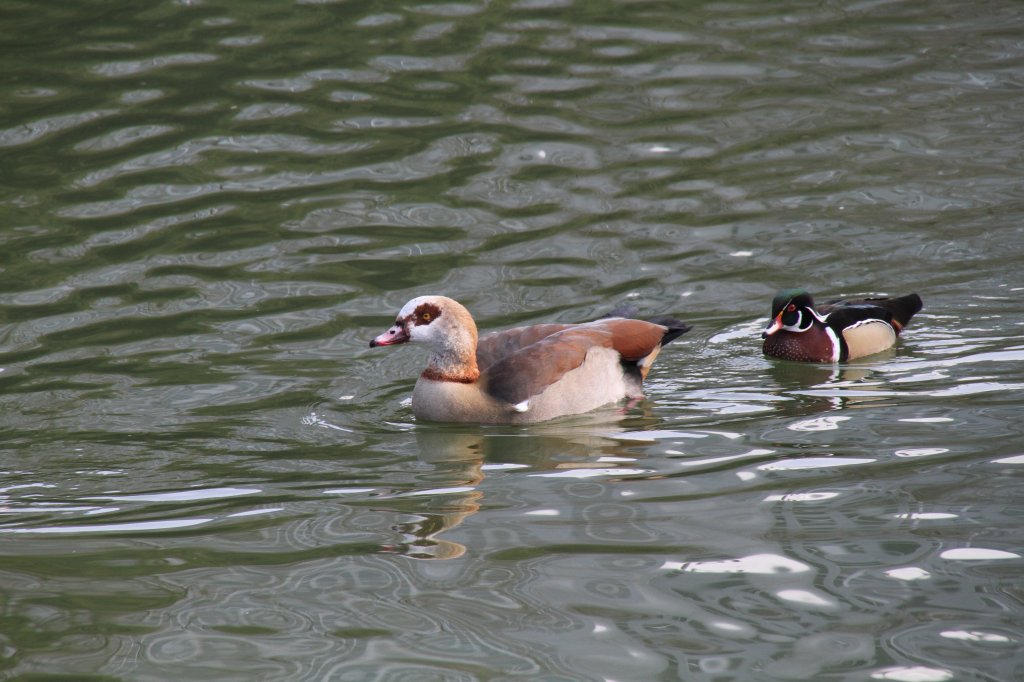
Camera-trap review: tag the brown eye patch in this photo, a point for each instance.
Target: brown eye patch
(426, 313)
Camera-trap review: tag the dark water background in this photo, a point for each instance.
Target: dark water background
(208, 208)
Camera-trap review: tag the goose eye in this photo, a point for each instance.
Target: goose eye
(426, 317)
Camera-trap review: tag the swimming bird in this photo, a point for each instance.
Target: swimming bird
(836, 331)
(524, 374)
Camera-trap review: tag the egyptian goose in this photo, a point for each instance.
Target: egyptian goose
(524, 374)
(836, 331)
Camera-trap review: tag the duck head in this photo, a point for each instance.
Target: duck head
(792, 311)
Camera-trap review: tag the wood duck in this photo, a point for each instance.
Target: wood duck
(837, 331)
(524, 374)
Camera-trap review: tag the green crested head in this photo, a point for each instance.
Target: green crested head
(797, 296)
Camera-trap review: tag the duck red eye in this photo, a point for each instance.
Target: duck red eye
(790, 308)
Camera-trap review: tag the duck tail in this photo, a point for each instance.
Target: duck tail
(903, 308)
(674, 328)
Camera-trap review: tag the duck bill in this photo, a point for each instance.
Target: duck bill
(393, 336)
(775, 326)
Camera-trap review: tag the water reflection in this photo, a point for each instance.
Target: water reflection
(461, 459)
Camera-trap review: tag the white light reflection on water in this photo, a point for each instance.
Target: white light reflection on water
(503, 466)
(181, 496)
(760, 564)
(313, 419)
(348, 491)
(254, 512)
(926, 516)
(56, 507)
(801, 497)
(920, 452)
(917, 673)
(738, 333)
(665, 434)
(908, 573)
(438, 491)
(977, 554)
(814, 463)
(1016, 459)
(807, 598)
(756, 452)
(976, 636)
(827, 423)
(137, 526)
(592, 473)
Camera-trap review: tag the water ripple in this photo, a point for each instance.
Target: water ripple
(36, 130)
(134, 67)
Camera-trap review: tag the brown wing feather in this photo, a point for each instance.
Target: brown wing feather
(496, 346)
(633, 339)
(528, 371)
